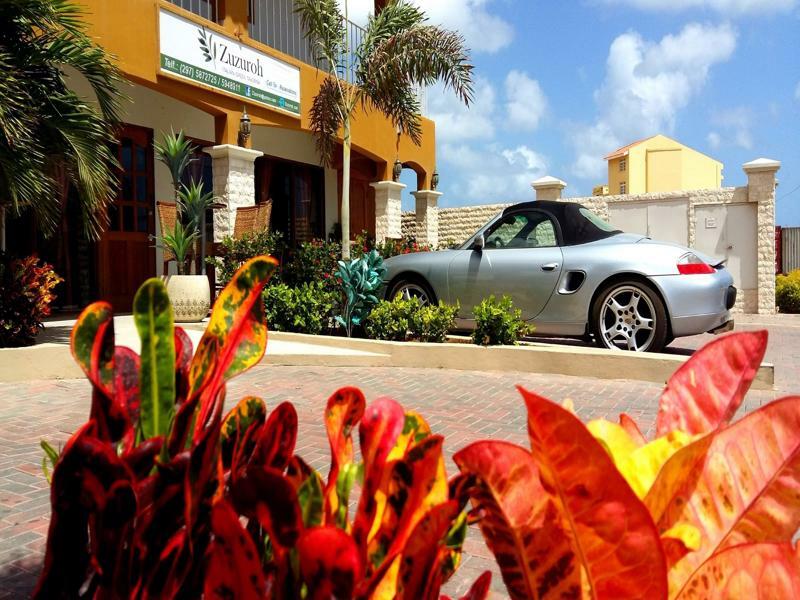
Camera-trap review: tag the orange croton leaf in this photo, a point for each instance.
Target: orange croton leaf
(343, 412)
(479, 589)
(765, 571)
(707, 389)
(748, 489)
(520, 522)
(613, 535)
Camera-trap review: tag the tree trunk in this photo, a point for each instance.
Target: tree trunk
(345, 218)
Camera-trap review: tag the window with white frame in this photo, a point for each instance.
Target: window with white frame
(622, 188)
(623, 165)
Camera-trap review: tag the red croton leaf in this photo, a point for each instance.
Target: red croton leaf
(343, 411)
(745, 490)
(520, 522)
(380, 427)
(276, 439)
(614, 536)
(238, 425)
(264, 494)
(183, 358)
(233, 569)
(705, 392)
(420, 574)
(479, 589)
(632, 429)
(767, 571)
(329, 563)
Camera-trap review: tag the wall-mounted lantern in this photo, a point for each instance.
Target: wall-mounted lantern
(397, 170)
(244, 128)
(435, 179)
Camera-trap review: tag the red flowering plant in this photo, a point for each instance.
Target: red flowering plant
(27, 292)
(160, 495)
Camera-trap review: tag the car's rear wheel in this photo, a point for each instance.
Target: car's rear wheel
(413, 288)
(629, 315)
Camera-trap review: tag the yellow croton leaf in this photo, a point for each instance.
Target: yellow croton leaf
(638, 464)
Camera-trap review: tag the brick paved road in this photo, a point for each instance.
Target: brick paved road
(463, 406)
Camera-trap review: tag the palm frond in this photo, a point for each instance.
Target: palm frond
(193, 201)
(395, 17)
(175, 151)
(325, 30)
(419, 56)
(327, 112)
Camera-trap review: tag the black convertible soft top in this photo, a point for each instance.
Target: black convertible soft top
(576, 227)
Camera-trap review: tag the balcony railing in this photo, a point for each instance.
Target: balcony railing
(208, 9)
(274, 23)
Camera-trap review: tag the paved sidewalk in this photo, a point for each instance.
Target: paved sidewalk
(463, 406)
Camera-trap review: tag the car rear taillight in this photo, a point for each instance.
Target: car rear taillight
(691, 264)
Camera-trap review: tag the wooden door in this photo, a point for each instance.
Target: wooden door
(126, 256)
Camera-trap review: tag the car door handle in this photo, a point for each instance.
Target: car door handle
(549, 266)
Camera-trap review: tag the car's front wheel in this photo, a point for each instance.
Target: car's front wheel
(629, 315)
(412, 288)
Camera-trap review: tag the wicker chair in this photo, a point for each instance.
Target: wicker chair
(252, 219)
(167, 217)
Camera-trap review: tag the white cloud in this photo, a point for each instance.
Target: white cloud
(797, 91)
(526, 102)
(726, 7)
(455, 121)
(483, 31)
(733, 128)
(645, 87)
(492, 173)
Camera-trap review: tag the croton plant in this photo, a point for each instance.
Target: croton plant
(160, 495)
(707, 509)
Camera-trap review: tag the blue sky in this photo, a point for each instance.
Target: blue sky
(561, 83)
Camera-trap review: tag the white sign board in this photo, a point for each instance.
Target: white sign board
(193, 52)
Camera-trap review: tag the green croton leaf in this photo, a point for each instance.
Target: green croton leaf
(152, 314)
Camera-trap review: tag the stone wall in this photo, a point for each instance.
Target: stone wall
(456, 225)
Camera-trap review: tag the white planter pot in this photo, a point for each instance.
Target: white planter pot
(190, 296)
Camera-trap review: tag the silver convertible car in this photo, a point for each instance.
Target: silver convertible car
(574, 275)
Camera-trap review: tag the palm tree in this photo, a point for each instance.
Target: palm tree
(45, 128)
(398, 53)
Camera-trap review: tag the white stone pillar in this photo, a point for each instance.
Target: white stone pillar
(234, 183)
(387, 210)
(761, 183)
(548, 188)
(427, 213)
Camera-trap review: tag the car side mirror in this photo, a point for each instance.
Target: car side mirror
(479, 242)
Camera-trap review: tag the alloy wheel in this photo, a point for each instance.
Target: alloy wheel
(627, 319)
(408, 290)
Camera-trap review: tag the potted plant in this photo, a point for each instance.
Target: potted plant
(189, 293)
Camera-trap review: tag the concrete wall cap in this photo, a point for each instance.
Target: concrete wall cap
(427, 194)
(548, 181)
(231, 151)
(761, 164)
(388, 185)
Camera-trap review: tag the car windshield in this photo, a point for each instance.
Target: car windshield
(597, 221)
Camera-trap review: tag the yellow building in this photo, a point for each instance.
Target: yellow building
(196, 65)
(660, 164)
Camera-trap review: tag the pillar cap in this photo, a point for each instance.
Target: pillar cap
(388, 185)
(548, 182)
(232, 151)
(761, 164)
(427, 194)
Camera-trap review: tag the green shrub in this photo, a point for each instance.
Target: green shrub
(304, 309)
(391, 320)
(498, 322)
(403, 318)
(26, 291)
(787, 292)
(313, 262)
(430, 323)
(235, 252)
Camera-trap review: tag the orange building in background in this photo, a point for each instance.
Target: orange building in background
(196, 66)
